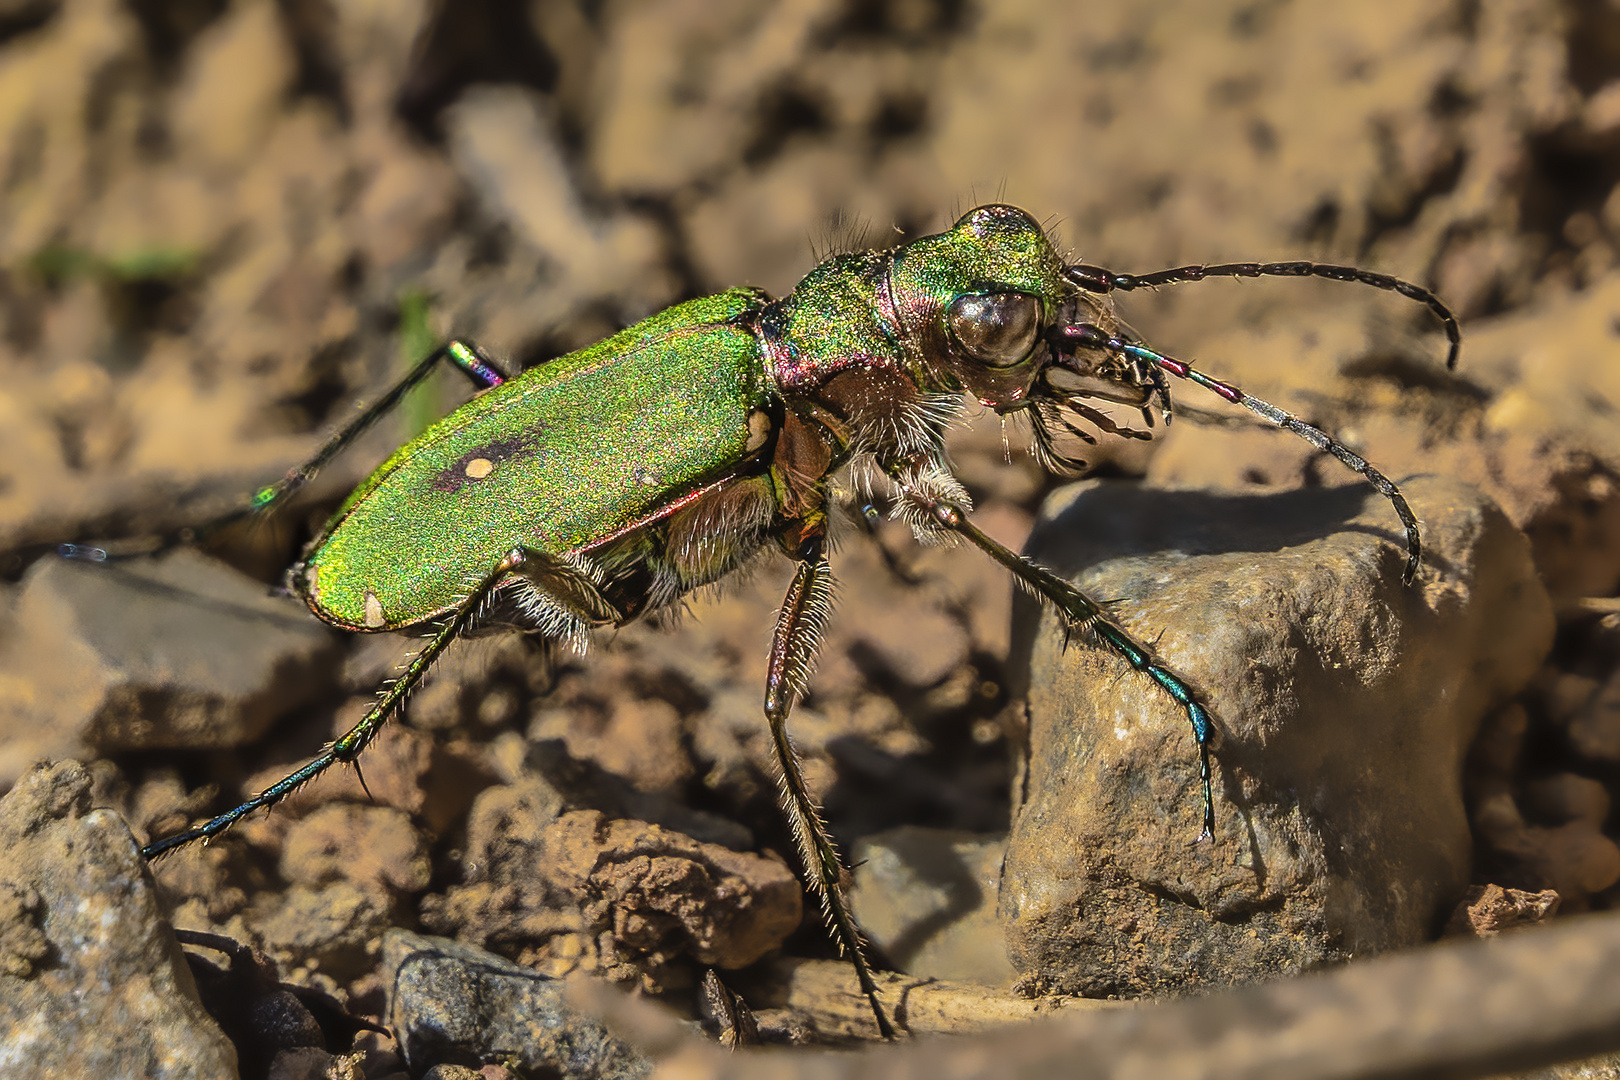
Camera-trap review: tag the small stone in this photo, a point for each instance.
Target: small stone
(1343, 703)
(508, 816)
(453, 1072)
(1574, 859)
(638, 739)
(336, 928)
(1566, 693)
(661, 891)
(927, 899)
(641, 896)
(1497, 816)
(454, 1004)
(1501, 739)
(116, 999)
(306, 1063)
(1488, 910)
(22, 940)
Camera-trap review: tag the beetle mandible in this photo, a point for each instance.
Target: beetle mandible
(610, 482)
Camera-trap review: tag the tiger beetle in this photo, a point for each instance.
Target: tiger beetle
(610, 482)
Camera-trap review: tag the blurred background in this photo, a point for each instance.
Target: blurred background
(224, 223)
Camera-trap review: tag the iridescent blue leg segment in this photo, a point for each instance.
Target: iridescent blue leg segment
(1079, 611)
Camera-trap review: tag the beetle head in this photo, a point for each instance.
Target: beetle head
(999, 311)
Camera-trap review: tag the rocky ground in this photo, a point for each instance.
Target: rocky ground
(223, 224)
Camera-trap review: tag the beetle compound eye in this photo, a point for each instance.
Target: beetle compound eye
(998, 329)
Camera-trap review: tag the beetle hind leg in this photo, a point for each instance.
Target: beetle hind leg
(566, 587)
(462, 355)
(348, 746)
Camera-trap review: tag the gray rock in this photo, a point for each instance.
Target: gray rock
(1343, 700)
(93, 982)
(180, 651)
(454, 1004)
(927, 899)
(453, 1072)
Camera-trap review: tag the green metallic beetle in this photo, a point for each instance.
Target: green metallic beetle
(610, 482)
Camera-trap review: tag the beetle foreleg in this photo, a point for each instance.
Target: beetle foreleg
(793, 648)
(1091, 336)
(347, 747)
(1078, 612)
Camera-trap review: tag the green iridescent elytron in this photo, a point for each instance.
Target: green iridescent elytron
(610, 482)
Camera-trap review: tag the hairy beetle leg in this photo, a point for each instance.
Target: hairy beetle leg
(348, 746)
(1079, 611)
(793, 649)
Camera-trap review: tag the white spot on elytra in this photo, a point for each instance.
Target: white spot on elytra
(479, 467)
(374, 611)
(759, 429)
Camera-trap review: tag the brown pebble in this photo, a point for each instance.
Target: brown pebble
(1488, 910)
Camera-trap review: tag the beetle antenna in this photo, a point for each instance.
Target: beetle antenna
(1098, 280)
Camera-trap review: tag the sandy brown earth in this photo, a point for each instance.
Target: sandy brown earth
(223, 224)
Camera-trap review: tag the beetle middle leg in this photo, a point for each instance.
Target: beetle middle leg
(793, 649)
(1079, 611)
